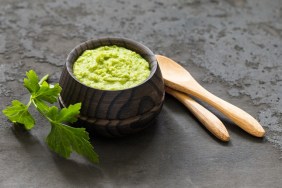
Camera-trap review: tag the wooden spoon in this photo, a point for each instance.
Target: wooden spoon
(176, 77)
(208, 119)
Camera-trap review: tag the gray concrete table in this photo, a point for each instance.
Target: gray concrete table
(233, 48)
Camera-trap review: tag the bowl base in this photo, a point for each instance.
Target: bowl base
(117, 127)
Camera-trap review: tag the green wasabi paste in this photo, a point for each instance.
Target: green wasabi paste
(111, 68)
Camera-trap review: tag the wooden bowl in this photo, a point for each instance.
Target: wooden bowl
(114, 113)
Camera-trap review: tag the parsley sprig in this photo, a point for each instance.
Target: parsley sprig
(62, 138)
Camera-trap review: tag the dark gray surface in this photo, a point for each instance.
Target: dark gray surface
(231, 47)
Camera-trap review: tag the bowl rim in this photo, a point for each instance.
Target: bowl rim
(150, 57)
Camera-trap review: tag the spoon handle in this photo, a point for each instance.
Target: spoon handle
(237, 115)
(208, 119)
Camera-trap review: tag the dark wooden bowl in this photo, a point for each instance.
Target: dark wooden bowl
(114, 113)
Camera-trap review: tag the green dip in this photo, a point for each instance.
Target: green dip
(111, 68)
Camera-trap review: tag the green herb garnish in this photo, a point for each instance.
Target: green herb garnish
(62, 138)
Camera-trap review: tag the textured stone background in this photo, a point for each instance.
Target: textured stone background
(233, 48)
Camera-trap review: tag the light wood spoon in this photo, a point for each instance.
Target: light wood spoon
(208, 119)
(176, 77)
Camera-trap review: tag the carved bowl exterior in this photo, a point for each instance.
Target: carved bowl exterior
(119, 112)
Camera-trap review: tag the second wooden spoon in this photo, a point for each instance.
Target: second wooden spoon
(208, 119)
(176, 77)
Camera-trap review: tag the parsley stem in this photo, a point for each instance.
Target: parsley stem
(43, 79)
(29, 102)
(42, 112)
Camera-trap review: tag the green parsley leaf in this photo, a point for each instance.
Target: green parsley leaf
(47, 92)
(31, 82)
(41, 90)
(18, 113)
(64, 139)
(69, 114)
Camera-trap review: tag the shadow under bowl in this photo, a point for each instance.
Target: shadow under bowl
(118, 112)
